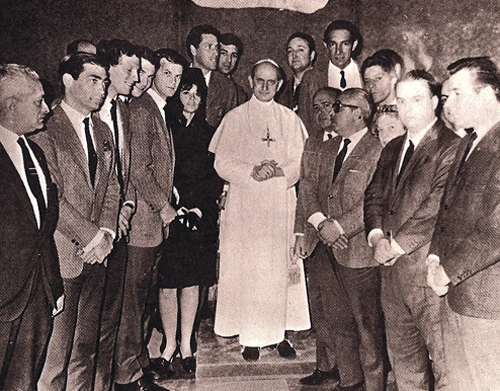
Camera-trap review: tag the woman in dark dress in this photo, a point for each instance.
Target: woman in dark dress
(189, 255)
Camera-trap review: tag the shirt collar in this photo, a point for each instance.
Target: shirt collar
(336, 69)
(356, 137)
(76, 118)
(160, 102)
(8, 137)
(415, 139)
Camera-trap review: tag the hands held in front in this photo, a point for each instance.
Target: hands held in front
(189, 217)
(299, 247)
(331, 236)
(98, 248)
(124, 217)
(383, 252)
(266, 170)
(437, 279)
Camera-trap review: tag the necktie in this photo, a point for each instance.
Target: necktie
(330, 136)
(472, 137)
(32, 176)
(91, 153)
(165, 110)
(343, 82)
(406, 160)
(340, 159)
(116, 131)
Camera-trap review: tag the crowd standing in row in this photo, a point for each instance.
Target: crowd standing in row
(116, 204)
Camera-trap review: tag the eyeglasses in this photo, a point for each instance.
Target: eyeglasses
(338, 105)
(387, 109)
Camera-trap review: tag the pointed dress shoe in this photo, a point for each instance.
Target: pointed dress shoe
(318, 377)
(159, 369)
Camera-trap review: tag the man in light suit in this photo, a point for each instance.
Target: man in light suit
(344, 43)
(321, 278)
(401, 206)
(331, 192)
(80, 154)
(151, 175)
(463, 260)
(31, 281)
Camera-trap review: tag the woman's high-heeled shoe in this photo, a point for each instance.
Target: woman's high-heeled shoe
(189, 364)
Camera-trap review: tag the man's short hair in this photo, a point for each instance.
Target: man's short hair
(306, 37)
(485, 70)
(345, 25)
(171, 56)
(231, 39)
(279, 70)
(363, 100)
(335, 92)
(113, 49)
(387, 59)
(74, 65)
(9, 76)
(146, 53)
(420, 74)
(74, 47)
(195, 36)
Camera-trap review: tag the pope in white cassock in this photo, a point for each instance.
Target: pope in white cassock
(261, 291)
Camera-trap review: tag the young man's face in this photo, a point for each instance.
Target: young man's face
(340, 47)
(146, 77)
(167, 78)
(124, 75)
(416, 104)
(86, 93)
(380, 84)
(206, 54)
(228, 58)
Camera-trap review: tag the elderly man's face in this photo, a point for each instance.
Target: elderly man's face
(299, 55)
(340, 47)
(265, 82)
(30, 108)
(228, 58)
(323, 109)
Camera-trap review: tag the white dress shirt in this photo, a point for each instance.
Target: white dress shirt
(351, 74)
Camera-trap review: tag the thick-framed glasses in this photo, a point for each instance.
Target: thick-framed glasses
(338, 105)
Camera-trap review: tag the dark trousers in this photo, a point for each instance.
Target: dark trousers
(360, 292)
(131, 353)
(71, 356)
(29, 335)
(414, 328)
(110, 317)
(321, 280)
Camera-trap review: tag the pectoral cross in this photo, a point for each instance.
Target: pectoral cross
(268, 138)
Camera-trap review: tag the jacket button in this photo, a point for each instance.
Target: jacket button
(391, 212)
(330, 196)
(73, 240)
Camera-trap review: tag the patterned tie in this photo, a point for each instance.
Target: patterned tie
(32, 176)
(343, 82)
(91, 153)
(340, 159)
(406, 160)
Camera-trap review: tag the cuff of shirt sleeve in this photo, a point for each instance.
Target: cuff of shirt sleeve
(316, 219)
(373, 232)
(130, 204)
(299, 234)
(432, 258)
(396, 247)
(109, 231)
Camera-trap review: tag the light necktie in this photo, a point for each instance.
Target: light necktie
(406, 160)
(116, 131)
(343, 81)
(339, 160)
(91, 153)
(32, 177)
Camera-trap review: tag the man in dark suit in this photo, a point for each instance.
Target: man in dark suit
(151, 175)
(301, 55)
(344, 43)
(31, 282)
(202, 45)
(401, 206)
(463, 261)
(321, 278)
(331, 192)
(80, 155)
(230, 52)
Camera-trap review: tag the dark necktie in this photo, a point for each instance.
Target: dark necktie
(116, 131)
(340, 159)
(472, 137)
(32, 176)
(343, 82)
(165, 110)
(91, 153)
(406, 160)
(330, 136)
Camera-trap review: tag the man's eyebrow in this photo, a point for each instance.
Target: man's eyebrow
(96, 77)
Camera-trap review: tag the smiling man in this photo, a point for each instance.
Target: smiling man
(343, 42)
(257, 149)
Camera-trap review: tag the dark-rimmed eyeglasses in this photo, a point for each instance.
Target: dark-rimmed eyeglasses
(338, 105)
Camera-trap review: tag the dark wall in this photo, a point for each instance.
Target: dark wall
(435, 32)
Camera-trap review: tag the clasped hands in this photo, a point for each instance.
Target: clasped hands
(98, 248)
(330, 235)
(265, 170)
(383, 251)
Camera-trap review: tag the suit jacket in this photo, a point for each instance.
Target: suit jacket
(27, 254)
(311, 82)
(467, 233)
(409, 210)
(222, 97)
(83, 209)
(285, 95)
(343, 199)
(128, 192)
(151, 171)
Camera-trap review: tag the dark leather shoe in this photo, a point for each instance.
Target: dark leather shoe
(356, 387)
(319, 377)
(159, 369)
(251, 353)
(286, 350)
(143, 384)
(189, 364)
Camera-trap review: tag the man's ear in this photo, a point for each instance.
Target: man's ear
(312, 56)
(398, 69)
(10, 103)
(435, 102)
(354, 45)
(250, 80)
(192, 49)
(67, 80)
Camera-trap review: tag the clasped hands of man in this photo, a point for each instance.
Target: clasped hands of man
(267, 169)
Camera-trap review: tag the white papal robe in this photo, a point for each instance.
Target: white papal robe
(255, 299)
